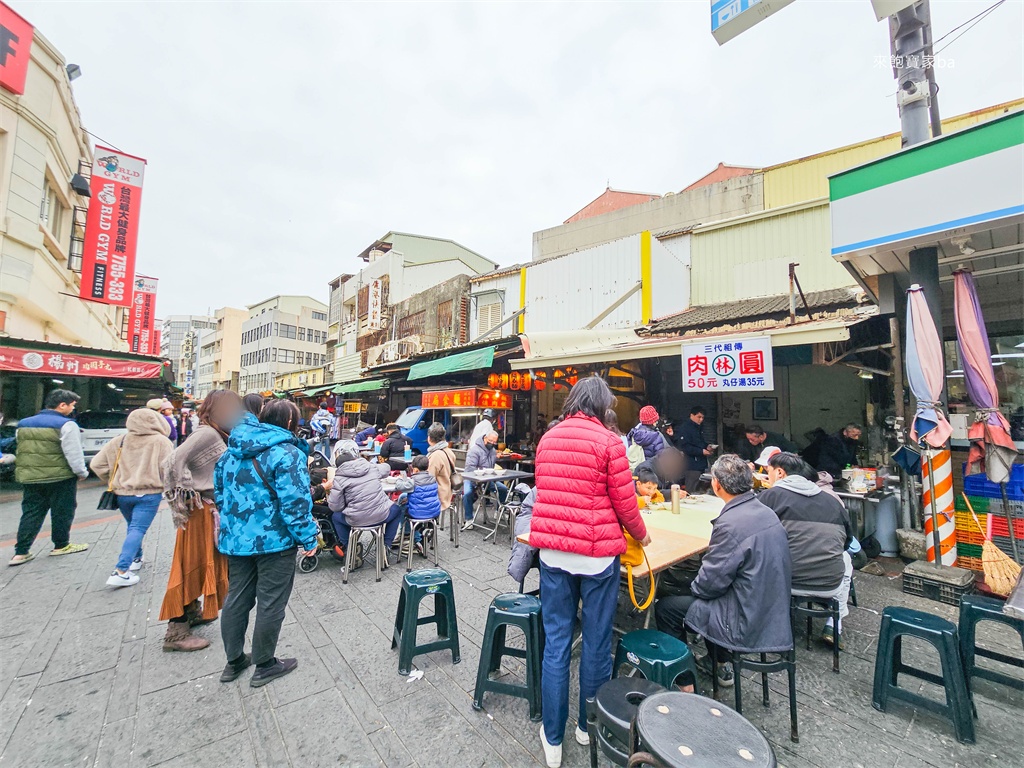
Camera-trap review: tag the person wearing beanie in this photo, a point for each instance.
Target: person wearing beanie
(646, 434)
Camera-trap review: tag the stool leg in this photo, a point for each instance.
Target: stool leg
(714, 673)
(883, 666)
(810, 627)
(533, 664)
(379, 554)
(794, 735)
(592, 730)
(353, 536)
(764, 681)
(853, 592)
(834, 605)
(412, 546)
(435, 542)
(957, 695)
(736, 683)
(486, 661)
(453, 627)
(407, 648)
(399, 620)
(967, 628)
(498, 651)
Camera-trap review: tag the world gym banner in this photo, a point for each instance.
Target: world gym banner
(141, 333)
(112, 228)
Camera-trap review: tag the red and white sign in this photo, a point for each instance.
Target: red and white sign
(729, 365)
(15, 46)
(56, 363)
(112, 228)
(141, 331)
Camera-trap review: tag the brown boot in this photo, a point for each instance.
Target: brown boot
(194, 614)
(180, 638)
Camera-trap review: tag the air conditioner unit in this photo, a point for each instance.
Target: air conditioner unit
(302, 378)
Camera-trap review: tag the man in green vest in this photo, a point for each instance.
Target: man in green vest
(49, 465)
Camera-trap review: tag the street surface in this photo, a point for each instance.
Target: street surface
(84, 682)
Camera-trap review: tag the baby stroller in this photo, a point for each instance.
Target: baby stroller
(326, 538)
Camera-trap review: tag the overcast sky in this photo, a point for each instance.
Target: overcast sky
(284, 138)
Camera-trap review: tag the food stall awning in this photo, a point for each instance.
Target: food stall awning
(318, 390)
(556, 349)
(472, 360)
(40, 357)
(371, 385)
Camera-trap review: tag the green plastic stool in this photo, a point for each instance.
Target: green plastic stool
(517, 610)
(975, 608)
(660, 658)
(416, 586)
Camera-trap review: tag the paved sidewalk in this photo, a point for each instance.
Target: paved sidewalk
(84, 681)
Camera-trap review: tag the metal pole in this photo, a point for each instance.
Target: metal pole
(1009, 523)
(908, 43)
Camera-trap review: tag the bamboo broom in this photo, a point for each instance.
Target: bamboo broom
(1000, 571)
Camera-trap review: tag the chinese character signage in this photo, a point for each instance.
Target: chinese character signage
(55, 363)
(15, 45)
(743, 365)
(352, 406)
(466, 398)
(141, 331)
(375, 318)
(112, 228)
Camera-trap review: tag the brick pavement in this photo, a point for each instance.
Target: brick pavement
(83, 679)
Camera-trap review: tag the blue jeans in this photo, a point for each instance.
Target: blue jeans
(469, 495)
(560, 593)
(139, 512)
(343, 529)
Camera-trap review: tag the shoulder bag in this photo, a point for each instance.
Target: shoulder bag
(108, 500)
(634, 558)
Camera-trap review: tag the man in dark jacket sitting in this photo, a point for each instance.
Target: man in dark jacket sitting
(394, 447)
(839, 451)
(740, 598)
(819, 531)
(755, 440)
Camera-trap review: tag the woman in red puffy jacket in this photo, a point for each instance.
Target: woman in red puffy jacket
(585, 497)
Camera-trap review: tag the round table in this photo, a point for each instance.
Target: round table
(684, 729)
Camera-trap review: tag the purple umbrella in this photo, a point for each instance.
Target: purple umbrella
(992, 450)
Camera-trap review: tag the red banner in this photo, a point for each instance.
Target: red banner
(112, 228)
(15, 44)
(466, 398)
(141, 332)
(58, 363)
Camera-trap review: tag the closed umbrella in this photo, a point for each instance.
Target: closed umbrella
(992, 450)
(925, 375)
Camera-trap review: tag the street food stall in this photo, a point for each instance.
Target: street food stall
(458, 409)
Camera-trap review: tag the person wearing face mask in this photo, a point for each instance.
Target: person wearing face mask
(481, 455)
(198, 570)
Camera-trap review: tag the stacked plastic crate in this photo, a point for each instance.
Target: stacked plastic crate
(987, 499)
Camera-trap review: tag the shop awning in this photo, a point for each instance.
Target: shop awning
(318, 391)
(473, 360)
(372, 385)
(555, 349)
(38, 357)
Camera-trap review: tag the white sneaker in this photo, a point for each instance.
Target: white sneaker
(137, 564)
(125, 579)
(468, 525)
(582, 737)
(552, 754)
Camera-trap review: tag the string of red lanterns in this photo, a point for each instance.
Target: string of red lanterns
(518, 381)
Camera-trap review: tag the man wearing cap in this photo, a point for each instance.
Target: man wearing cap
(165, 408)
(646, 434)
(485, 426)
(761, 462)
(756, 438)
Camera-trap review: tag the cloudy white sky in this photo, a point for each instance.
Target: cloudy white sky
(283, 138)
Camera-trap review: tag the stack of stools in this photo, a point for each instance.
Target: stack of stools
(683, 730)
(517, 610)
(659, 657)
(811, 607)
(898, 623)
(416, 586)
(786, 662)
(610, 716)
(975, 608)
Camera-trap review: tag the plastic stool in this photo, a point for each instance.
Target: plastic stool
(610, 716)
(424, 525)
(786, 661)
(416, 586)
(942, 634)
(975, 608)
(521, 611)
(381, 555)
(827, 608)
(659, 657)
(683, 730)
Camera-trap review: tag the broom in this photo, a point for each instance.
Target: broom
(1000, 571)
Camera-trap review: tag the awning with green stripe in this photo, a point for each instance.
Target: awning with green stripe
(318, 391)
(473, 360)
(372, 385)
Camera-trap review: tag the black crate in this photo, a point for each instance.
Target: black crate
(940, 583)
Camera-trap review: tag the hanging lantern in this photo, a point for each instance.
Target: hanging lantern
(525, 382)
(540, 381)
(571, 376)
(514, 380)
(492, 381)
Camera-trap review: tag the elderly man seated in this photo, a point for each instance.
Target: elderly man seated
(819, 531)
(740, 598)
(481, 455)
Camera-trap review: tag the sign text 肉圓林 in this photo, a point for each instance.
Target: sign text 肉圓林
(729, 365)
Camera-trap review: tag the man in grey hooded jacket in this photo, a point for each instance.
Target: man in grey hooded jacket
(357, 497)
(819, 532)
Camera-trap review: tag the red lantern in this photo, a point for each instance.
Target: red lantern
(514, 380)
(526, 381)
(492, 381)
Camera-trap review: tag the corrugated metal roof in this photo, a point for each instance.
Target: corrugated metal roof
(675, 232)
(766, 308)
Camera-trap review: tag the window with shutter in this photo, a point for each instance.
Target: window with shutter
(488, 316)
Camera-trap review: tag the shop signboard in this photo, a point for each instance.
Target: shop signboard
(375, 316)
(15, 46)
(731, 17)
(56, 363)
(142, 334)
(352, 406)
(112, 228)
(729, 365)
(466, 398)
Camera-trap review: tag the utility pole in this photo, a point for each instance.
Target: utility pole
(910, 43)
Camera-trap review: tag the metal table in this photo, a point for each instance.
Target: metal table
(478, 478)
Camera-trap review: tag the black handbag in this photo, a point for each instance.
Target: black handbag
(108, 500)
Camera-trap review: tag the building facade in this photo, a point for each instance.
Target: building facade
(281, 335)
(220, 354)
(42, 147)
(174, 330)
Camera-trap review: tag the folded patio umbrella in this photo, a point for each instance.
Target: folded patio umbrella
(992, 451)
(925, 374)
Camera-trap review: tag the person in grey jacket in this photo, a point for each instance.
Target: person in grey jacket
(357, 498)
(523, 556)
(481, 455)
(740, 597)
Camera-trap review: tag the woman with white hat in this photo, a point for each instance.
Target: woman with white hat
(165, 408)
